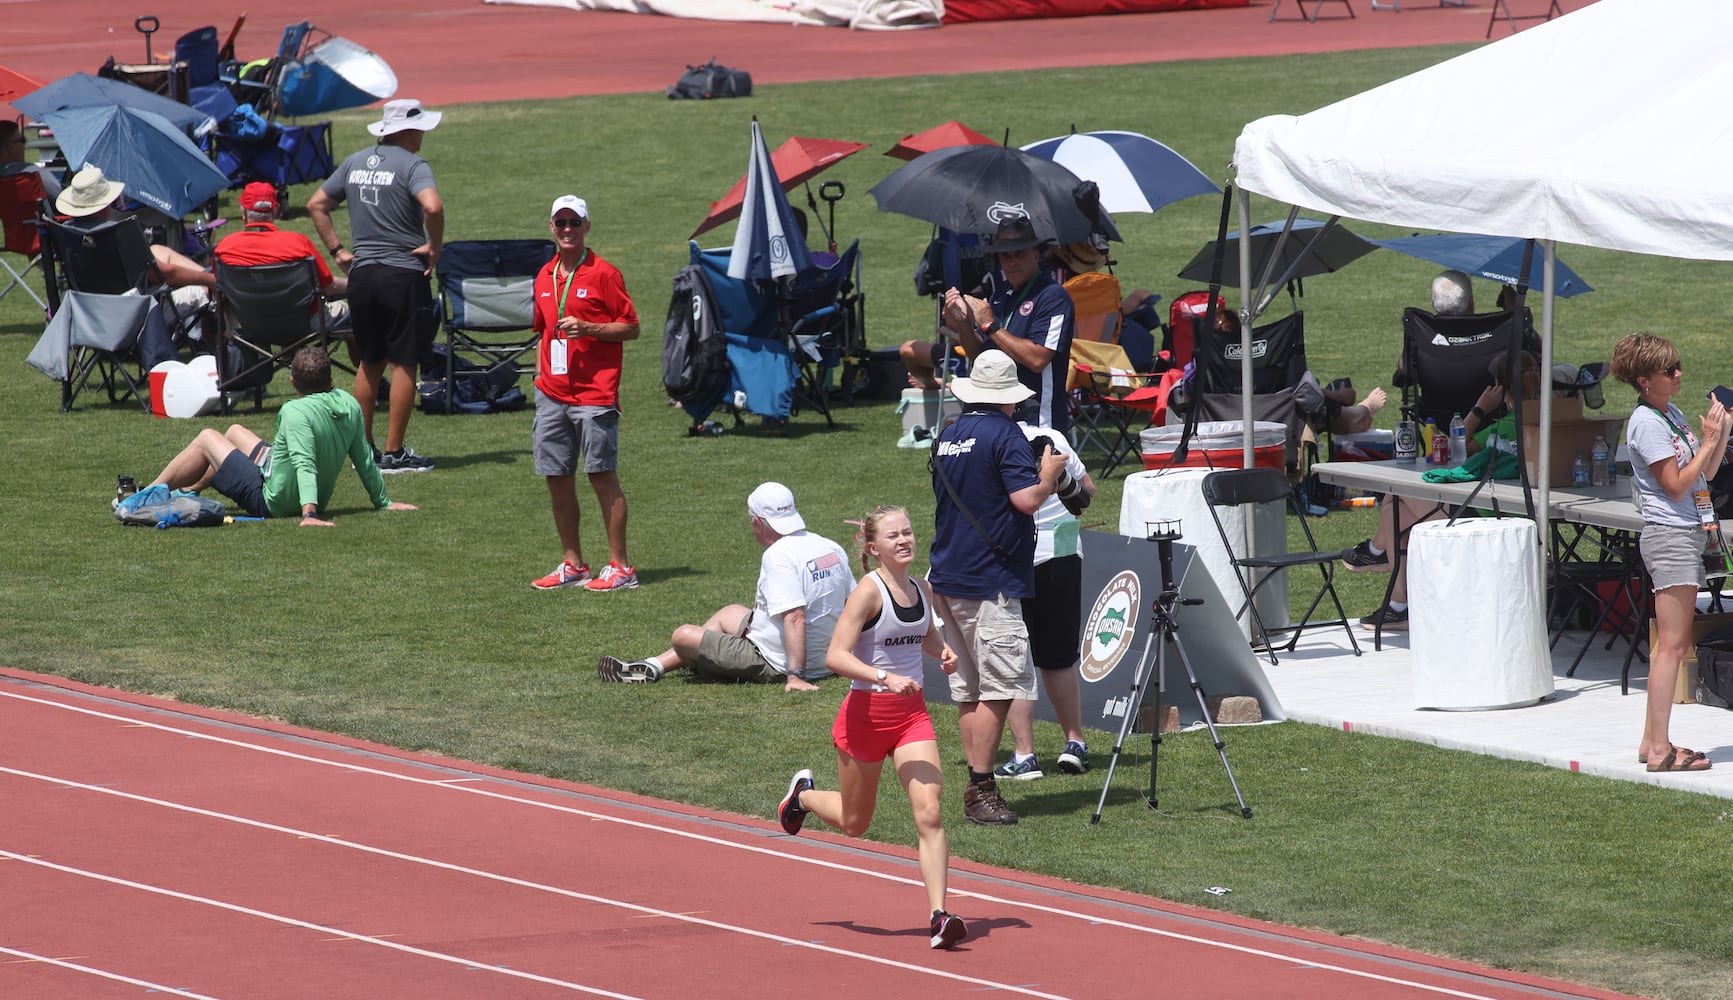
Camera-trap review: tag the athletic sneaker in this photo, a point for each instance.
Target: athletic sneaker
(1389, 618)
(612, 668)
(402, 460)
(1075, 759)
(946, 930)
(1361, 557)
(614, 577)
(789, 812)
(982, 804)
(564, 575)
(1020, 768)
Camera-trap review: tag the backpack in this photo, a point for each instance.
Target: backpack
(1715, 669)
(476, 389)
(711, 80)
(694, 347)
(159, 507)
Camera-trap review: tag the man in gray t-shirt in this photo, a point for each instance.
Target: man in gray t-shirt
(397, 226)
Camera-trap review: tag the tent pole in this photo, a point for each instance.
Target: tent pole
(1543, 463)
(1246, 316)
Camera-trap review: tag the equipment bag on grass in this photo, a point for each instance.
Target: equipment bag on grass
(711, 80)
(476, 389)
(694, 346)
(159, 507)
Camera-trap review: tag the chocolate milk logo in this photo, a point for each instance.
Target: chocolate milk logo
(1111, 623)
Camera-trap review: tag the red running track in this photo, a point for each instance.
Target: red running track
(150, 848)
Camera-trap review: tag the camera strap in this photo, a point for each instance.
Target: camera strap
(957, 501)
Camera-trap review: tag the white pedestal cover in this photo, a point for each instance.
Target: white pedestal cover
(1476, 604)
(1177, 494)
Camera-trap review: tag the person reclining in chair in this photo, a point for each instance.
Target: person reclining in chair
(261, 242)
(318, 433)
(13, 146)
(89, 201)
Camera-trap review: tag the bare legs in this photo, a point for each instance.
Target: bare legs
(367, 377)
(982, 724)
(562, 493)
(850, 809)
(1674, 608)
(1064, 691)
(193, 468)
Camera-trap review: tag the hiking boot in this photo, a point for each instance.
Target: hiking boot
(402, 460)
(1019, 768)
(564, 575)
(982, 804)
(945, 930)
(614, 577)
(612, 668)
(1075, 759)
(1361, 557)
(790, 813)
(1388, 618)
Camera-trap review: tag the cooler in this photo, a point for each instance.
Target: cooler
(927, 408)
(184, 390)
(1217, 444)
(1366, 446)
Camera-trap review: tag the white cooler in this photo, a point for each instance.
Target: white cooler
(1476, 608)
(1178, 494)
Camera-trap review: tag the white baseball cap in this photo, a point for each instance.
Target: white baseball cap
(572, 202)
(773, 503)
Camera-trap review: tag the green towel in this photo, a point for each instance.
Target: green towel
(1501, 453)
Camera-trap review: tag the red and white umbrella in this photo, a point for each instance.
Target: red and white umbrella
(795, 161)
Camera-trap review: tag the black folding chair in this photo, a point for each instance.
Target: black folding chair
(267, 312)
(1247, 488)
(110, 258)
(1445, 359)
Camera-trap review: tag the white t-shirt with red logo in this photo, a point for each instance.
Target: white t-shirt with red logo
(800, 570)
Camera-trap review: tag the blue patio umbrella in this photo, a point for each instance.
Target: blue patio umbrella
(767, 240)
(158, 164)
(81, 90)
(1495, 258)
(1134, 172)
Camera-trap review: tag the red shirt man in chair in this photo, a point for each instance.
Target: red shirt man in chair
(261, 242)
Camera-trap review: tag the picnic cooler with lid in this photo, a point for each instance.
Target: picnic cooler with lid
(1217, 444)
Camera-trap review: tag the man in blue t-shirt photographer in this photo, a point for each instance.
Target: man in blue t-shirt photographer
(988, 487)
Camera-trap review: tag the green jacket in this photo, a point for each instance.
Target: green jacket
(314, 435)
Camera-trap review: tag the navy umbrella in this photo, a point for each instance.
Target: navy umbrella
(767, 241)
(1311, 248)
(81, 90)
(158, 164)
(1134, 172)
(971, 189)
(1495, 258)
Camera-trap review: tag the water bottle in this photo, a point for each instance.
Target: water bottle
(1580, 471)
(1407, 442)
(1599, 462)
(1458, 440)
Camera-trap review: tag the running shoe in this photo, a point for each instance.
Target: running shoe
(1020, 769)
(614, 577)
(402, 460)
(790, 813)
(1361, 557)
(1075, 759)
(564, 575)
(1388, 619)
(946, 930)
(612, 668)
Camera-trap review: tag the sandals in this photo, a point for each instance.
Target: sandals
(1679, 759)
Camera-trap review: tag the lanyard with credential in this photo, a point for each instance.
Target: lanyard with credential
(1011, 309)
(1701, 496)
(571, 276)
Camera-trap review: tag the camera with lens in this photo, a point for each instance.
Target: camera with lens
(1069, 491)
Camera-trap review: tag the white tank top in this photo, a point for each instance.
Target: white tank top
(892, 640)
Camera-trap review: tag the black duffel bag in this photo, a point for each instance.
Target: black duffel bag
(1715, 669)
(711, 80)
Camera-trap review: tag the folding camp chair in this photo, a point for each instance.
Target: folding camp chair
(821, 315)
(1112, 403)
(1245, 489)
(1445, 359)
(21, 196)
(92, 335)
(266, 312)
(486, 295)
(1278, 364)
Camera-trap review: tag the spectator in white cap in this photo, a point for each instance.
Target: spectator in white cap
(397, 223)
(803, 582)
(584, 317)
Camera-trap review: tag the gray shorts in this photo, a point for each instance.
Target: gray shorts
(992, 646)
(723, 656)
(1673, 555)
(563, 433)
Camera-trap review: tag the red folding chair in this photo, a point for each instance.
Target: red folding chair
(20, 196)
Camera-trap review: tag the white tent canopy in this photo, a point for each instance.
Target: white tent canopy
(1618, 137)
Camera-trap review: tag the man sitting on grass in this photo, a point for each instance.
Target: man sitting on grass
(295, 473)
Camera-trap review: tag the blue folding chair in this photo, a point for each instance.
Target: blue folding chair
(486, 298)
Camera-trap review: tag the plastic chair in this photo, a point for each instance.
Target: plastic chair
(486, 295)
(1246, 488)
(267, 312)
(21, 197)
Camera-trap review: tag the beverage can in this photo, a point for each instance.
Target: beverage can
(1407, 442)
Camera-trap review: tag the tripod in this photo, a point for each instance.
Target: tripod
(1163, 633)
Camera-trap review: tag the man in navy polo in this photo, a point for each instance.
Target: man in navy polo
(988, 485)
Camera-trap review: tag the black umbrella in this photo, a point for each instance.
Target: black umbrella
(971, 189)
(1319, 248)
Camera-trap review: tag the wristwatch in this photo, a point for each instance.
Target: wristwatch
(881, 675)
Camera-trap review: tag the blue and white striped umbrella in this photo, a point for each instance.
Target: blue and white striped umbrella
(1134, 172)
(767, 240)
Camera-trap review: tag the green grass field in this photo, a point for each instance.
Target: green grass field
(419, 630)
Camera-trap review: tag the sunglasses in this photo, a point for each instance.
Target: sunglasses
(568, 223)
(1673, 371)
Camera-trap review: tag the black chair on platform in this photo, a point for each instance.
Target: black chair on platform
(1445, 359)
(1247, 488)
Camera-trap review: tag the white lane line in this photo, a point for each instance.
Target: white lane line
(511, 881)
(292, 922)
(117, 977)
(1087, 918)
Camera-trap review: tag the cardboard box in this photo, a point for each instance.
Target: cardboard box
(1569, 436)
(1685, 689)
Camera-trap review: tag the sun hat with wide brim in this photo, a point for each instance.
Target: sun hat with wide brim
(992, 378)
(404, 115)
(89, 193)
(1014, 233)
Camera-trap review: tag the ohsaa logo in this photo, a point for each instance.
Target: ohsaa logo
(1111, 624)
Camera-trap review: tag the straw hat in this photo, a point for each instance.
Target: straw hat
(89, 193)
(1080, 257)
